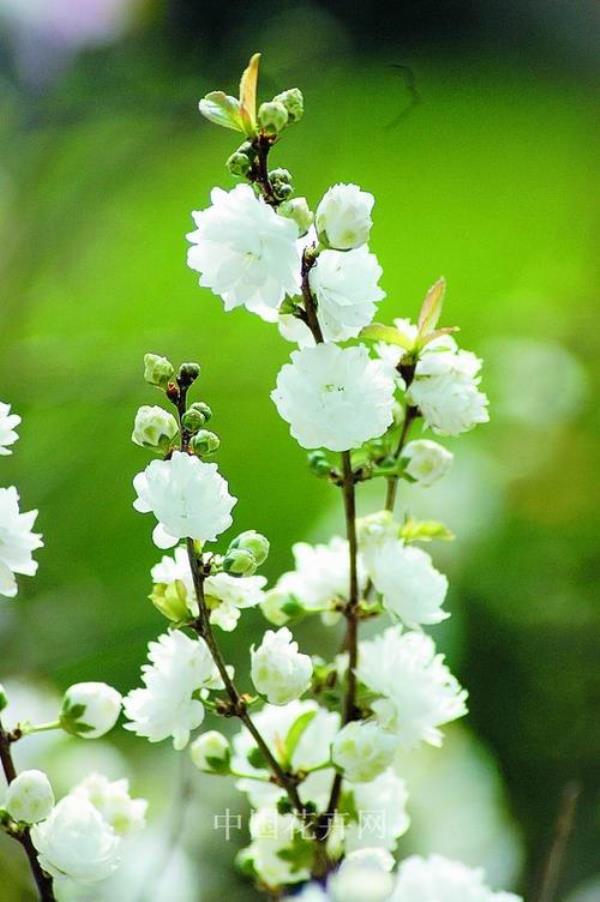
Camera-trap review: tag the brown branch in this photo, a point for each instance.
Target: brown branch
(562, 833)
(42, 880)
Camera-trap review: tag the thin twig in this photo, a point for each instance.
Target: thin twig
(562, 833)
(42, 880)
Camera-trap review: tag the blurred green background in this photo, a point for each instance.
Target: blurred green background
(485, 175)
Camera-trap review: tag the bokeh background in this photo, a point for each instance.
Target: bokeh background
(472, 121)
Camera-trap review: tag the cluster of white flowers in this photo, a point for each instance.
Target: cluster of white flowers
(181, 668)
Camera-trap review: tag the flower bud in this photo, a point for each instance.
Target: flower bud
(238, 164)
(293, 101)
(343, 217)
(192, 420)
(171, 600)
(425, 461)
(272, 116)
(297, 210)
(205, 442)
(3, 698)
(188, 373)
(211, 753)
(239, 562)
(255, 542)
(29, 798)
(157, 370)
(90, 710)
(154, 428)
(204, 409)
(279, 607)
(319, 464)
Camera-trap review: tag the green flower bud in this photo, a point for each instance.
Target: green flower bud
(154, 428)
(188, 373)
(157, 370)
(255, 542)
(202, 408)
(280, 176)
(205, 442)
(272, 116)
(293, 101)
(3, 698)
(239, 562)
(211, 753)
(298, 210)
(171, 600)
(192, 420)
(319, 464)
(238, 164)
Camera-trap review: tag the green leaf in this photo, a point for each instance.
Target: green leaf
(432, 308)
(223, 110)
(300, 854)
(248, 86)
(425, 531)
(295, 734)
(389, 334)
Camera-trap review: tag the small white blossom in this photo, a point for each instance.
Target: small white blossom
(363, 751)
(75, 842)
(418, 692)
(385, 819)
(334, 398)
(17, 541)
(438, 879)
(179, 668)
(188, 497)
(90, 710)
(363, 876)
(210, 749)
(228, 595)
(8, 423)
(426, 461)
(245, 252)
(279, 670)
(412, 589)
(154, 427)
(344, 216)
(445, 388)
(272, 833)
(29, 798)
(345, 285)
(112, 800)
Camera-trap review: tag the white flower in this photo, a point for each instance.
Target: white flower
(175, 575)
(211, 752)
(419, 694)
(227, 595)
(154, 427)
(179, 668)
(363, 876)
(188, 497)
(245, 252)
(426, 461)
(8, 423)
(412, 589)
(76, 842)
(344, 216)
(334, 398)
(387, 797)
(90, 710)
(29, 798)
(346, 288)
(445, 389)
(363, 751)
(437, 879)
(279, 670)
(112, 800)
(272, 833)
(17, 541)
(313, 748)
